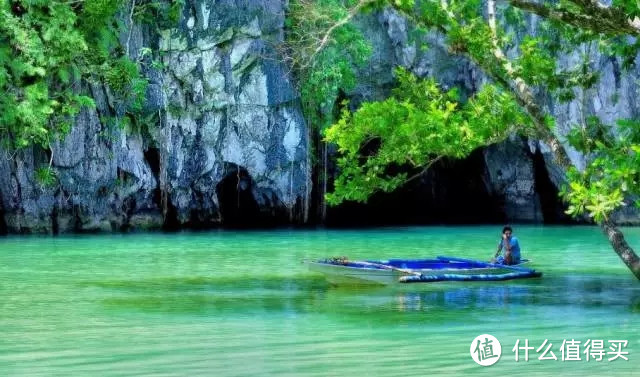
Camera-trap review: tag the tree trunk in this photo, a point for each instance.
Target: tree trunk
(621, 247)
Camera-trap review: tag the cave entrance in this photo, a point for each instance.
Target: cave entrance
(238, 207)
(551, 206)
(451, 192)
(3, 224)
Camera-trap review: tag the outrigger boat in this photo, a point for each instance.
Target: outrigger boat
(344, 271)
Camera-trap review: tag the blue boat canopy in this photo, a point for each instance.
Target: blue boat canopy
(442, 268)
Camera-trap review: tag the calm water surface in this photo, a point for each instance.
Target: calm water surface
(229, 303)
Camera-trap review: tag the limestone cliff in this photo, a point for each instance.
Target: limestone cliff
(228, 144)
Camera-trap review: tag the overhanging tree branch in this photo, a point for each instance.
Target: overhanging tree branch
(594, 16)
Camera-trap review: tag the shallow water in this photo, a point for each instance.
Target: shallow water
(226, 303)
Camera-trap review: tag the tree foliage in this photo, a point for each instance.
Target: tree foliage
(324, 48)
(417, 125)
(613, 172)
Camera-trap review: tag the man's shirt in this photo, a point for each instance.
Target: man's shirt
(515, 249)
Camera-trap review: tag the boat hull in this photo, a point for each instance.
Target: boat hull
(396, 271)
(337, 274)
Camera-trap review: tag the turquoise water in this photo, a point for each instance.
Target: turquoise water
(226, 303)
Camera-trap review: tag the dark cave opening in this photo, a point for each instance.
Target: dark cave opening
(238, 207)
(55, 226)
(171, 222)
(3, 223)
(551, 205)
(152, 156)
(450, 192)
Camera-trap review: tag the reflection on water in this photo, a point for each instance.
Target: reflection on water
(305, 293)
(240, 304)
(582, 292)
(211, 295)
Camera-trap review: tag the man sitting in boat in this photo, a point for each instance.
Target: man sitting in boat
(508, 248)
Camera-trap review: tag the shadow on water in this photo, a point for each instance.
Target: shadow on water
(203, 295)
(240, 284)
(635, 307)
(245, 295)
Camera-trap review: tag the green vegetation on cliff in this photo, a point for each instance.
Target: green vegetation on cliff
(324, 49)
(51, 50)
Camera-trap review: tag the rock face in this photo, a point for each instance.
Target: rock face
(227, 142)
(228, 145)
